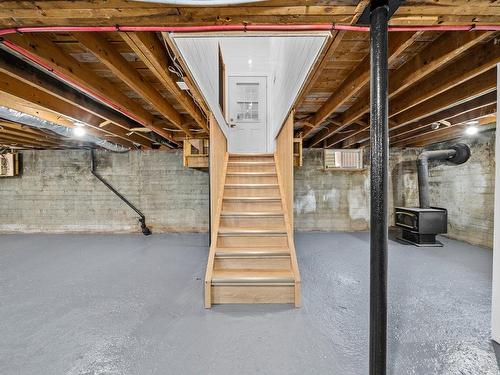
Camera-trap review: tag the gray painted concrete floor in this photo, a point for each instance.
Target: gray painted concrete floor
(128, 304)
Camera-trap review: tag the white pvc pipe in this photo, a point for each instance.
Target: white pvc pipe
(495, 308)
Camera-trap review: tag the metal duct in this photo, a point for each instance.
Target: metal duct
(35, 122)
(458, 154)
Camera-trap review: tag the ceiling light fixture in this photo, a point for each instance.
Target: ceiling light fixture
(79, 131)
(471, 130)
(249, 61)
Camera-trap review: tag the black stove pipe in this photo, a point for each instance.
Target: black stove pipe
(458, 154)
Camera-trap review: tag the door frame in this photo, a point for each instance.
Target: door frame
(228, 108)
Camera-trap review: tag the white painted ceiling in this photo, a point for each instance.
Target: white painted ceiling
(285, 60)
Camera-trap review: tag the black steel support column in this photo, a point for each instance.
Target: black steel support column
(379, 149)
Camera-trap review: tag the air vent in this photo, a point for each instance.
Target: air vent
(343, 159)
(9, 165)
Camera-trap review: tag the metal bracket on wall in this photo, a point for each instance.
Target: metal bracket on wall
(142, 219)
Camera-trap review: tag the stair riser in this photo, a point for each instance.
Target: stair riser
(252, 158)
(251, 192)
(241, 241)
(251, 180)
(261, 168)
(262, 263)
(251, 206)
(253, 294)
(258, 222)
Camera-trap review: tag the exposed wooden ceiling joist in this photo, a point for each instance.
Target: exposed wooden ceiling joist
(53, 57)
(454, 121)
(353, 83)
(12, 87)
(98, 45)
(484, 83)
(460, 70)
(116, 123)
(152, 52)
(448, 115)
(442, 51)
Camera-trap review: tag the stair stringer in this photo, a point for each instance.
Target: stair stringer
(214, 235)
(289, 229)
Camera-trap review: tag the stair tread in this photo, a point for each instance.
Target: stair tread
(250, 162)
(252, 276)
(252, 230)
(252, 251)
(277, 198)
(242, 185)
(252, 213)
(250, 154)
(251, 173)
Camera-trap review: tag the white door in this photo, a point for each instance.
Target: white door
(247, 116)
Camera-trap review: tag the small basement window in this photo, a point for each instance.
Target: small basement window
(343, 159)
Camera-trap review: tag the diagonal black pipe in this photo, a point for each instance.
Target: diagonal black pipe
(379, 150)
(142, 219)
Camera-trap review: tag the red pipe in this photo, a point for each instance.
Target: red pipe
(35, 59)
(242, 27)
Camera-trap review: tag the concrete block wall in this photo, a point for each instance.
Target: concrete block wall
(57, 193)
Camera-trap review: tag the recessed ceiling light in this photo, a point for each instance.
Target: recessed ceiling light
(249, 61)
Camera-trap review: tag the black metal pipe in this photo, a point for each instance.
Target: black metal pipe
(379, 150)
(458, 154)
(142, 219)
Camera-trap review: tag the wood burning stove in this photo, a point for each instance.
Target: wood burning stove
(420, 225)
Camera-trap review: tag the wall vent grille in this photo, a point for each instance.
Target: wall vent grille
(343, 159)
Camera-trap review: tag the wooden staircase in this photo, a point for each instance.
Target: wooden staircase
(252, 258)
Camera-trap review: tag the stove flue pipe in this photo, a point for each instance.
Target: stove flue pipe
(457, 154)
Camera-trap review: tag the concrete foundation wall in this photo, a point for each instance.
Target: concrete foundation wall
(330, 200)
(57, 193)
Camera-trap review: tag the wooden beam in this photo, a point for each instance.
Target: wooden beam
(420, 134)
(120, 67)
(446, 134)
(123, 12)
(477, 60)
(4, 131)
(481, 84)
(446, 48)
(41, 49)
(152, 52)
(27, 74)
(448, 115)
(325, 56)
(20, 90)
(357, 80)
